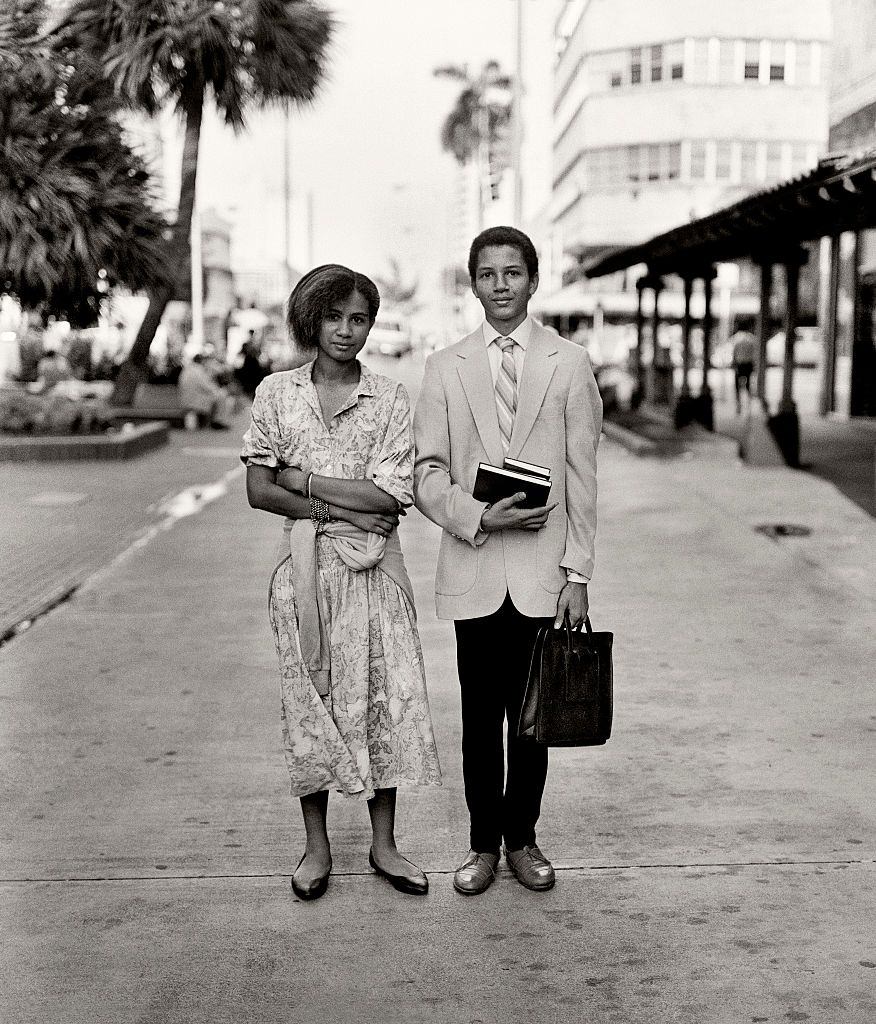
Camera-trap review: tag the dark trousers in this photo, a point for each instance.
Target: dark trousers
(492, 656)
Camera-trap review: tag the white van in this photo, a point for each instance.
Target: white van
(389, 337)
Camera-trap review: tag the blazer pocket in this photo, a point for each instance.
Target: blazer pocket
(457, 566)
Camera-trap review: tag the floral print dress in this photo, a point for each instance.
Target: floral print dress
(373, 730)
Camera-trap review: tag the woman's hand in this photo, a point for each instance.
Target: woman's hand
(381, 523)
(292, 479)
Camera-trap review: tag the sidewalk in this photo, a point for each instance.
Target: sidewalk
(64, 520)
(716, 859)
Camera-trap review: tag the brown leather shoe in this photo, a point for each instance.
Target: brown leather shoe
(531, 868)
(476, 873)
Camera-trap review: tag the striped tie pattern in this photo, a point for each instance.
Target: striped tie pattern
(506, 390)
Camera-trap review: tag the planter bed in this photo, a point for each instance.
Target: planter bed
(138, 440)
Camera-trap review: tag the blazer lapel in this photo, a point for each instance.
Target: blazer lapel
(477, 382)
(538, 369)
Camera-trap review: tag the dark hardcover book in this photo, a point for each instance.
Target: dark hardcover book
(527, 467)
(493, 483)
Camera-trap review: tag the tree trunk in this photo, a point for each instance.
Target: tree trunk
(135, 368)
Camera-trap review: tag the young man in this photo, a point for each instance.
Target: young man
(509, 389)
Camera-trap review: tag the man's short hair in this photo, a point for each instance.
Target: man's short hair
(503, 235)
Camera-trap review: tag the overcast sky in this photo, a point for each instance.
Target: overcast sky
(368, 149)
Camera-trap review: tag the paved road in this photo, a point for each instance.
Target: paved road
(717, 859)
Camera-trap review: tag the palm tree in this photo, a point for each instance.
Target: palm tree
(244, 54)
(76, 210)
(395, 291)
(481, 113)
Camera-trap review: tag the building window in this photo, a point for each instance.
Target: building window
(675, 61)
(636, 66)
(723, 160)
(777, 61)
(800, 158)
(698, 159)
(803, 64)
(773, 161)
(752, 60)
(748, 162)
(699, 71)
(674, 170)
(727, 61)
(656, 63)
(634, 163)
(616, 80)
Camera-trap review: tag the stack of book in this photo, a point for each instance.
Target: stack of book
(493, 483)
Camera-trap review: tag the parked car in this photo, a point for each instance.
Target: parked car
(618, 388)
(807, 348)
(390, 337)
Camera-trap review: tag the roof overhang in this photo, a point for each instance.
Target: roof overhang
(839, 195)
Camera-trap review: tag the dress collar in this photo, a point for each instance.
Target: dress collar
(367, 386)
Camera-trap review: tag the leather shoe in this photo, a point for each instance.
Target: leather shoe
(476, 873)
(411, 886)
(531, 868)
(314, 889)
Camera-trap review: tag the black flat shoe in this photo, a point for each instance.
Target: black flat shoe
(400, 882)
(315, 889)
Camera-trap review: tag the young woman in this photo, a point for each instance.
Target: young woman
(330, 448)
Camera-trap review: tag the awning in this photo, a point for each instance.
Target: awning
(839, 195)
(574, 300)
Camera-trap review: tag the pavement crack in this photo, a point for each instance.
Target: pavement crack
(567, 868)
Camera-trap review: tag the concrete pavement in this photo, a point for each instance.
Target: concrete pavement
(717, 857)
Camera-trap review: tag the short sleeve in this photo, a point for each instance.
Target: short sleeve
(260, 441)
(394, 464)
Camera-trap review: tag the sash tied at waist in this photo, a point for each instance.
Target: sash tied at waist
(359, 551)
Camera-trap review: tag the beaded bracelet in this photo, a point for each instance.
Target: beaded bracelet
(319, 512)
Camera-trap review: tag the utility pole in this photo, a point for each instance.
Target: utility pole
(517, 155)
(196, 276)
(287, 198)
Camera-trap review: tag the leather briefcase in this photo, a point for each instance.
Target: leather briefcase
(568, 700)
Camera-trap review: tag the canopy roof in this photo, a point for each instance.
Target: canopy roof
(839, 195)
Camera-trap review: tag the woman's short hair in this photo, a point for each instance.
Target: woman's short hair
(316, 293)
(503, 235)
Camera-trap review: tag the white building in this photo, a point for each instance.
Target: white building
(667, 109)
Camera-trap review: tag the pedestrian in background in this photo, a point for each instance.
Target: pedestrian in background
(744, 355)
(330, 449)
(201, 397)
(511, 388)
(52, 369)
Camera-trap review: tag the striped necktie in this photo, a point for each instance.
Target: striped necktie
(506, 390)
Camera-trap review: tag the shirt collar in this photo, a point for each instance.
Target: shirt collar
(521, 335)
(303, 375)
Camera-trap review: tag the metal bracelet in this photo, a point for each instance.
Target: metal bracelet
(319, 512)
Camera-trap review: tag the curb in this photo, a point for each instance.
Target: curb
(127, 445)
(633, 442)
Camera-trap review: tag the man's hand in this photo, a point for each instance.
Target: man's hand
(508, 515)
(573, 599)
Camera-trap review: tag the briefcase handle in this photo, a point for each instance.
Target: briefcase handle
(567, 622)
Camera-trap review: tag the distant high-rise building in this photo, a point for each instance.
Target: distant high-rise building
(853, 79)
(667, 109)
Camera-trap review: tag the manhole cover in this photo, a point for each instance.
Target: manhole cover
(783, 530)
(55, 499)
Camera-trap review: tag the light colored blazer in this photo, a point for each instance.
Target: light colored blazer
(557, 424)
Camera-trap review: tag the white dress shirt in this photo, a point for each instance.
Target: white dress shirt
(521, 335)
